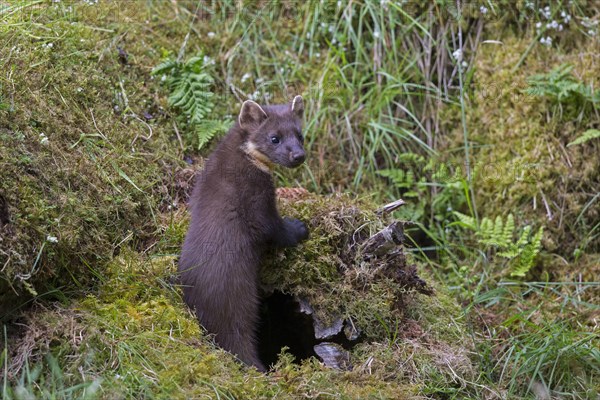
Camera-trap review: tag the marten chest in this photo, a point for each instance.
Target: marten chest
(245, 198)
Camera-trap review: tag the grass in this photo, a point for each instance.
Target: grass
(32, 384)
(386, 93)
(542, 344)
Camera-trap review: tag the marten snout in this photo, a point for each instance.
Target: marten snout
(297, 156)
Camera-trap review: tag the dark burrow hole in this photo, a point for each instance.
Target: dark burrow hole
(283, 324)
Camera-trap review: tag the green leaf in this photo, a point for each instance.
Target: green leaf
(165, 67)
(585, 137)
(560, 85)
(190, 92)
(208, 129)
(466, 221)
(125, 176)
(527, 257)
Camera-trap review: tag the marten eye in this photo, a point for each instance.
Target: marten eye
(274, 139)
(301, 138)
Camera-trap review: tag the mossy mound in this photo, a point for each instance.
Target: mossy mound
(134, 336)
(84, 142)
(522, 162)
(331, 270)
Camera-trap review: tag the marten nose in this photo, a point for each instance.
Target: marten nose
(297, 156)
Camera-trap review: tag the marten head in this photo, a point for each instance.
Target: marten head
(273, 134)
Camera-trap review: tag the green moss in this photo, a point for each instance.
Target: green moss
(327, 269)
(102, 184)
(136, 338)
(522, 164)
(105, 181)
(82, 171)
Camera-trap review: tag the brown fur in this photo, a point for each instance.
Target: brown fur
(234, 219)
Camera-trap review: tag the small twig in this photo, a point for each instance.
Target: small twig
(548, 212)
(178, 136)
(175, 7)
(234, 90)
(182, 48)
(564, 151)
(96, 126)
(147, 125)
(367, 365)
(388, 208)
(562, 212)
(125, 99)
(126, 238)
(550, 151)
(5, 264)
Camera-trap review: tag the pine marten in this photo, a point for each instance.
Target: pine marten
(235, 219)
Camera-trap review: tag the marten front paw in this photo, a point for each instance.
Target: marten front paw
(297, 228)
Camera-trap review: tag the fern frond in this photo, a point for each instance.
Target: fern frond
(498, 235)
(537, 91)
(208, 129)
(486, 230)
(411, 158)
(190, 87)
(466, 221)
(509, 228)
(585, 137)
(524, 238)
(165, 67)
(190, 91)
(410, 177)
(560, 85)
(441, 173)
(192, 95)
(398, 177)
(526, 259)
(511, 252)
(496, 238)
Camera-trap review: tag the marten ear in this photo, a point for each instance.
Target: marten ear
(298, 106)
(251, 114)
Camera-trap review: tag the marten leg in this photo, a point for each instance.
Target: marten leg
(239, 338)
(243, 347)
(235, 320)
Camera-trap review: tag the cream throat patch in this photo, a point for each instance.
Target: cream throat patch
(259, 159)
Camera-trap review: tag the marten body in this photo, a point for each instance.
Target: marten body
(235, 219)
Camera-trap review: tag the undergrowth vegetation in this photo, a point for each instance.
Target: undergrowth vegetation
(190, 86)
(482, 116)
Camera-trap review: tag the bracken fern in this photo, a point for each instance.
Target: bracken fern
(560, 86)
(498, 235)
(190, 85)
